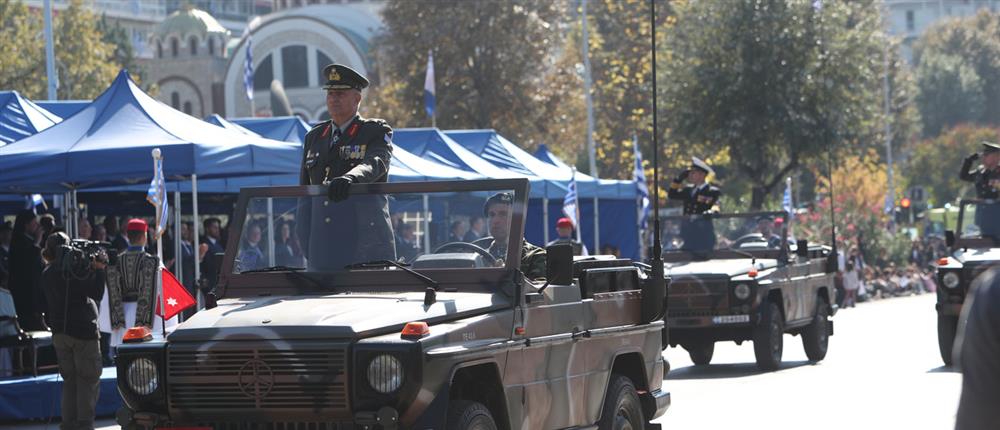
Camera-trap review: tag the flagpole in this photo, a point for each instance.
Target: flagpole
(157, 163)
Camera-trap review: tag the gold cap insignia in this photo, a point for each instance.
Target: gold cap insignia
(333, 76)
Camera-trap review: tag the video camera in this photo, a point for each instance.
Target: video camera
(79, 255)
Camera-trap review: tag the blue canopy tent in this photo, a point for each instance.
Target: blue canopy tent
(20, 117)
(109, 142)
(614, 198)
(286, 128)
(63, 108)
(224, 123)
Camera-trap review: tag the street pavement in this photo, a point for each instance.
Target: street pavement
(883, 370)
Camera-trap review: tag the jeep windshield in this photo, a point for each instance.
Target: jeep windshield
(286, 234)
(979, 222)
(746, 235)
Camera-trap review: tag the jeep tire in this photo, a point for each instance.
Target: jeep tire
(468, 415)
(767, 338)
(815, 336)
(622, 410)
(701, 352)
(947, 326)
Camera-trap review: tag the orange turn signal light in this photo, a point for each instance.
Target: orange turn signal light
(943, 261)
(752, 273)
(137, 334)
(415, 329)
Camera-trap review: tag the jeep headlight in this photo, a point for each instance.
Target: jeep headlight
(950, 279)
(385, 373)
(742, 291)
(141, 376)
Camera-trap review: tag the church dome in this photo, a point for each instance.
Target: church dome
(190, 21)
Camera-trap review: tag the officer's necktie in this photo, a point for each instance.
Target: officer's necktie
(335, 137)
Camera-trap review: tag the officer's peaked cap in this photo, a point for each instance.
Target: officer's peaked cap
(989, 147)
(341, 77)
(700, 164)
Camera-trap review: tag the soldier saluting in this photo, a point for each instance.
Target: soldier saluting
(347, 149)
(699, 198)
(986, 176)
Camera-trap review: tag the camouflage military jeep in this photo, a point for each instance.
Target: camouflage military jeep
(735, 277)
(455, 338)
(974, 250)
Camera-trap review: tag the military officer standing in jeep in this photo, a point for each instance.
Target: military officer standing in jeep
(986, 177)
(345, 150)
(699, 198)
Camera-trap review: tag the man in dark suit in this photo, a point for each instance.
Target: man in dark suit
(347, 149)
(5, 232)
(700, 198)
(213, 233)
(26, 272)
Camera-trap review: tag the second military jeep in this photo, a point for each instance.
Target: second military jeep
(736, 277)
(975, 248)
(454, 338)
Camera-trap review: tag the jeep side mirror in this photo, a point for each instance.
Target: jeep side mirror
(802, 248)
(832, 265)
(559, 264)
(949, 238)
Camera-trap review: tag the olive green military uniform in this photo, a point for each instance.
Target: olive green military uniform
(532, 257)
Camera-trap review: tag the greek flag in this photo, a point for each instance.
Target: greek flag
(32, 201)
(786, 200)
(639, 176)
(157, 195)
(429, 86)
(248, 64)
(571, 207)
(890, 204)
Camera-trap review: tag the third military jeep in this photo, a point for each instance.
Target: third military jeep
(736, 277)
(449, 338)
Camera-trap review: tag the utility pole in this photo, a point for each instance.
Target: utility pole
(890, 193)
(50, 55)
(591, 152)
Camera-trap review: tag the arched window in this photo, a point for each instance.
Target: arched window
(175, 100)
(263, 74)
(293, 66)
(211, 46)
(174, 46)
(159, 49)
(187, 108)
(193, 44)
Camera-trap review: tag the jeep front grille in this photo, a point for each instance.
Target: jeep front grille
(277, 426)
(687, 295)
(233, 378)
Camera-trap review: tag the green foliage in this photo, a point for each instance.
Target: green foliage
(491, 60)
(934, 163)
(21, 46)
(958, 72)
(778, 83)
(85, 63)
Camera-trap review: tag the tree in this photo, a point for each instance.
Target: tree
(491, 61)
(958, 72)
(85, 64)
(935, 162)
(775, 83)
(20, 49)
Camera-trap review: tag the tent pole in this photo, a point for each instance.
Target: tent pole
(545, 219)
(597, 226)
(270, 231)
(427, 225)
(196, 236)
(178, 253)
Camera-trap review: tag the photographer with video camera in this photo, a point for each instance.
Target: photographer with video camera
(73, 283)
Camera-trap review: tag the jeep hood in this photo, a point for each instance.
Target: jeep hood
(979, 256)
(727, 267)
(327, 316)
